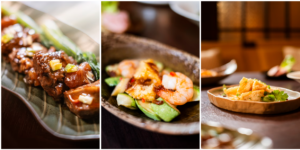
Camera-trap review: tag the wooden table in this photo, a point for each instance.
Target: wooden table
(283, 129)
(159, 23)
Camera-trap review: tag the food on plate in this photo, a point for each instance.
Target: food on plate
(146, 85)
(254, 90)
(84, 100)
(216, 139)
(208, 73)
(51, 60)
(284, 68)
(114, 20)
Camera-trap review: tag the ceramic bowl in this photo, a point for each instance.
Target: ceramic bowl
(117, 47)
(222, 73)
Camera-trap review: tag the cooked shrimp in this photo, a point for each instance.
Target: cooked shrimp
(128, 67)
(178, 89)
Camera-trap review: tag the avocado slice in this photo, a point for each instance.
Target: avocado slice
(126, 101)
(121, 87)
(145, 107)
(196, 96)
(165, 111)
(159, 65)
(112, 81)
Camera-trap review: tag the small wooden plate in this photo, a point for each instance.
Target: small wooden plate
(254, 107)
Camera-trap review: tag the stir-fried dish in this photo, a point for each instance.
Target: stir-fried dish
(147, 85)
(61, 69)
(216, 139)
(254, 90)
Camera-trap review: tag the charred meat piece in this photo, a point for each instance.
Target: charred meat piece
(7, 21)
(16, 36)
(82, 76)
(21, 61)
(21, 58)
(84, 100)
(50, 75)
(31, 78)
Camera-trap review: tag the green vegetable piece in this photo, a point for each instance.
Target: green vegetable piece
(71, 68)
(145, 107)
(288, 62)
(112, 81)
(126, 101)
(268, 98)
(109, 6)
(159, 65)
(196, 93)
(165, 111)
(6, 38)
(60, 41)
(280, 95)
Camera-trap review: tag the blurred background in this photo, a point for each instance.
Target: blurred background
(172, 23)
(256, 34)
(71, 13)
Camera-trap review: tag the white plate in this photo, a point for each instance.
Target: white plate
(187, 9)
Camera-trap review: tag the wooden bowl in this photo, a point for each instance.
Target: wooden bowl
(254, 107)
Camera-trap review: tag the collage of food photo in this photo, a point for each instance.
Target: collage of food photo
(150, 74)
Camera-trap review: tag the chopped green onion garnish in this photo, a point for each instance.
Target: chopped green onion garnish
(71, 68)
(6, 38)
(55, 64)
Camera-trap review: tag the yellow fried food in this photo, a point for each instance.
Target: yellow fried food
(147, 70)
(230, 92)
(139, 91)
(249, 89)
(252, 95)
(258, 85)
(245, 85)
(144, 80)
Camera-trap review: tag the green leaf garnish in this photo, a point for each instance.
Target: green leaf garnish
(276, 95)
(6, 38)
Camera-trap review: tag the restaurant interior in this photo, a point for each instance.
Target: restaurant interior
(256, 34)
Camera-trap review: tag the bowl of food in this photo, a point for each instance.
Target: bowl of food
(215, 136)
(149, 84)
(213, 76)
(44, 66)
(254, 96)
